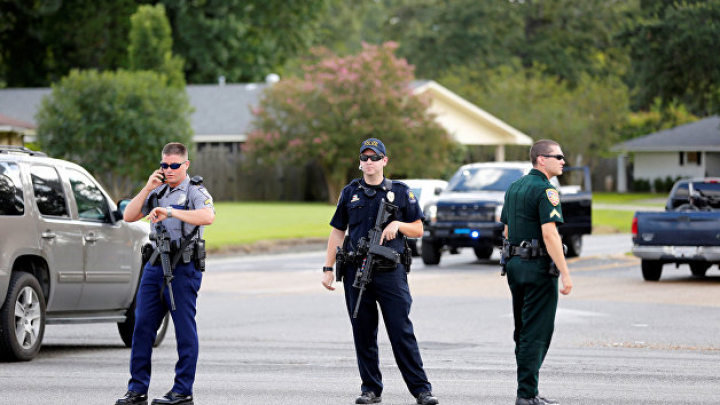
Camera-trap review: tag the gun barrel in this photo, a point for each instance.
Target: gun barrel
(359, 300)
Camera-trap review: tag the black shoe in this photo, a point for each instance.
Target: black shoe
(427, 398)
(528, 401)
(548, 401)
(132, 398)
(173, 398)
(368, 397)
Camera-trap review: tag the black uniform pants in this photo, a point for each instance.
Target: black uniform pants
(535, 298)
(391, 292)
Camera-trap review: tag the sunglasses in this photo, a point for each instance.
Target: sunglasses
(558, 157)
(374, 158)
(173, 166)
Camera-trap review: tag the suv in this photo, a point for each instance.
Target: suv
(66, 255)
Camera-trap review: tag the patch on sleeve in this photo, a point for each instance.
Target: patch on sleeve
(555, 213)
(411, 197)
(553, 196)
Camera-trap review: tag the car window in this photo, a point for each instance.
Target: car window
(49, 194)
(91, 203)
(11, 193)
(484, 179)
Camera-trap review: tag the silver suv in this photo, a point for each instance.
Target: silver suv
(66, 255)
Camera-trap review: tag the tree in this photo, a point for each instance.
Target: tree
(113, 123)
(151, 44)
(41, 41)
(673, 47)
(239, 39)
(584, 119)
(340, 102)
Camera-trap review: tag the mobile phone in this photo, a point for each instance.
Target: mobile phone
(162, 177)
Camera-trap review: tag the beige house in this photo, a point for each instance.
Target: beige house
(13, 131)
(468, 123)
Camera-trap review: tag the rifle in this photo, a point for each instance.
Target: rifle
(371, 247)
(162, 241)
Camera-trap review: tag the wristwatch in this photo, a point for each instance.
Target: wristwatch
(169, 212)
(326, 268)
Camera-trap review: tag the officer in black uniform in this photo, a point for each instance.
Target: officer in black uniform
(357, 209)
(530, 214)
(184, 206)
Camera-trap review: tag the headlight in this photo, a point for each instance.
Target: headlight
(498, 212)
(432, 213)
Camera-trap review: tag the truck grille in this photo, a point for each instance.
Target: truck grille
(466, 213)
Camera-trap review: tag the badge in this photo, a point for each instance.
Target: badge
(182, 198)
(390, 196)
(354, 198)
(553, 196)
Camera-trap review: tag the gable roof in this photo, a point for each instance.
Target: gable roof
(698, 136)
(11, 124)
(223, 112)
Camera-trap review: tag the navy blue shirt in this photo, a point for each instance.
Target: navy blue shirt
(358, 211)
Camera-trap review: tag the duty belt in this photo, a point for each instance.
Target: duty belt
(528, 249)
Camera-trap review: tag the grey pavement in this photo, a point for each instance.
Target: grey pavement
(270, 334)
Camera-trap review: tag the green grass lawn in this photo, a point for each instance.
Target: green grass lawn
(238, 223)
(241, 223)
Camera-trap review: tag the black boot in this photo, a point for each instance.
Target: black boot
(173, 398)
(132, 398)
(368, 397)
(427, 398)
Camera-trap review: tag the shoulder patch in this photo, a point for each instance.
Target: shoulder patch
(411, 197)
(553, 196)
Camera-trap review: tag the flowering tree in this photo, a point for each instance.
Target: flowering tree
(340, 102)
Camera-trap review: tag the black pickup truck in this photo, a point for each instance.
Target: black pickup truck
(467, 213)
(687, 232)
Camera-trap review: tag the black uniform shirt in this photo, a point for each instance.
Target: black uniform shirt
(359, 211)
(530, 202)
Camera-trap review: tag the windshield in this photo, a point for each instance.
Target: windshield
(484, 179)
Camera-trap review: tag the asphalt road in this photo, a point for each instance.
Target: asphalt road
(271, 334)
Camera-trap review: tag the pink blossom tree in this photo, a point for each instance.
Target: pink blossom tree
(341, 101)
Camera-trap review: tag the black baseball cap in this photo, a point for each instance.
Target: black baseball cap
(373, 144)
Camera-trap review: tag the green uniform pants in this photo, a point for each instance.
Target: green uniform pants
(535, 297)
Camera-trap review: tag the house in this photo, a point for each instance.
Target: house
(689, 150)
(12, 131)
(222, 120)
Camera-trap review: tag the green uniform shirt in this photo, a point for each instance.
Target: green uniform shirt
(529, 203)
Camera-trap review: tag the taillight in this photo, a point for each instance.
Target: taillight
(634, 228)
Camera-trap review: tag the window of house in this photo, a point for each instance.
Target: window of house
(690, 158)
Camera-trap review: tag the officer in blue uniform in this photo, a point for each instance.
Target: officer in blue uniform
(185, 207)
(357, 210)
(530, 214)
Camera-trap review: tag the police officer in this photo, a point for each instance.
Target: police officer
(357, 209)
(530, 213)
(185, 207)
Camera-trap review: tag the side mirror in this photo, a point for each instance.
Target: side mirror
(438, 190)
(121, 205)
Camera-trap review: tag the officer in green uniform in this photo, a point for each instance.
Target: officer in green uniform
(530, 214)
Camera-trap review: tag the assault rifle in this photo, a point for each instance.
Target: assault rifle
(374, 251)
(162, 241)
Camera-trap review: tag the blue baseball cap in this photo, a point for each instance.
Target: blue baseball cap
(373, 144)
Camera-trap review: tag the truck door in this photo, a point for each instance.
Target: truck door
(576, 198)
(60, 239)
(107, 247)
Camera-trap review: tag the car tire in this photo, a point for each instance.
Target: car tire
(415, 246)
(24, 295)
(127, 328)
(483, 253)
(430, 253)
(699, 269)
(651, 270)
(574, 244)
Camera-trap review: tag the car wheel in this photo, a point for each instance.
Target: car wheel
(22, 318)
(699, 269)
(430, 253)
(651, 269)
(127, 328)
(574, 245)
(415, 246)
(483, 253)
